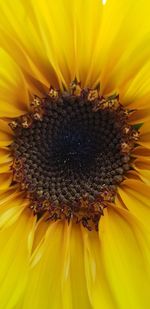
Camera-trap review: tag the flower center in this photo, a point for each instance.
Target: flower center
(70, 153)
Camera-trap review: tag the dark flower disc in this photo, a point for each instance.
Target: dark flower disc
(70, 153)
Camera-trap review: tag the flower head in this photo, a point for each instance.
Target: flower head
(74, 154)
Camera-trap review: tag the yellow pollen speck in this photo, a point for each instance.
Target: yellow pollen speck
(53, 93)
(93, 94)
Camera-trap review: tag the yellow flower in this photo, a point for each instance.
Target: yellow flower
(48, 264)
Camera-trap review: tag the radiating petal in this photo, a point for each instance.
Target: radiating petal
(142, 166)
(5, 160)
(12, 204)
(15, 244)
(5, 156)
(136, 196)
(99, 288)
(145, 175)
(53, 45)
(5, 167)
(13, 94)
(6, 134)
(123, 51)
(140, 115)
(141, 152)
(57, 279)
(21, 30)
(5, 180)
(125, 249)
(145, 135)
(135, 90)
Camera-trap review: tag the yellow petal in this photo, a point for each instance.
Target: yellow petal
(141, 151)
(5, 180)
(145, 135)
(5, 160)
(145, 175)
(6, 136)
(125, 250)
(12, 205)
(140, 115)
(141, 163)
(86, 39)
(132, 174)
(135, 91)
(21, 30)
(55, 36)
(99, 288)
(5, 167)
(13, 94)
(142, 166)
(15, 244)
(123, 51)
(5, 155)
(57, 279)
(136, 196)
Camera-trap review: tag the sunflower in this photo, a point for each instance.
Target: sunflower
(74, 154)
